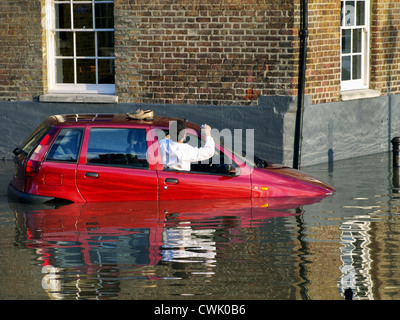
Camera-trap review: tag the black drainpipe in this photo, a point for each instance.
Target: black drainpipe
(303, 34)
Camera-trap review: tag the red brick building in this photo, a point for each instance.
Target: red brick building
(198, 52)
(194, 52)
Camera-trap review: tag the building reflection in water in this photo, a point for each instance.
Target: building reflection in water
(356, 259)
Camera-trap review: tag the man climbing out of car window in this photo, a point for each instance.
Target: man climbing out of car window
(178, 155)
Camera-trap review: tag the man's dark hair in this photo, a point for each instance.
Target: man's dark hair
(178, 134)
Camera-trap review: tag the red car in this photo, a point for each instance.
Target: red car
(110, 157)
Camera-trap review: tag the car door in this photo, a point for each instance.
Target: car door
(113, 168)
(174, 185)
(210, 180)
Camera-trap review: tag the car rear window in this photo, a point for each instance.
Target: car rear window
(66, 146)
(34, 139)
(118, 147)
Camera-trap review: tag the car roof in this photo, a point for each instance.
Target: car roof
(110, 119)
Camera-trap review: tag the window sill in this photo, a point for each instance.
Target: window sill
(359, 94)
(78, 98)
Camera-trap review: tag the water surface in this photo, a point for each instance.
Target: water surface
(286, 249)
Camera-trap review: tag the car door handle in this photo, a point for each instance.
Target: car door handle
(92, 175)
(171, 181)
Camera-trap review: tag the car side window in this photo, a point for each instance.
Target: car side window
(118, 147)
(67, 145)
(215, 165)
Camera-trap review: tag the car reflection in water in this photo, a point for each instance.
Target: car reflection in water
(85, 249)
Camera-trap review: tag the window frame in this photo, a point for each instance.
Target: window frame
(363, 82)
(79, 88)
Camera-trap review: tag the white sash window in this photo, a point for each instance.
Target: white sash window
(354, 44)
(81, 46)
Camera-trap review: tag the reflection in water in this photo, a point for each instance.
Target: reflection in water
(360, 221)
(355, 256)
(185, 244)
(87, 251)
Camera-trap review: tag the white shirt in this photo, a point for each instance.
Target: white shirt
(178, 156)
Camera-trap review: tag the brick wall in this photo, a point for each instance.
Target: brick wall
(323, 54)
(204, 52)
(385, 46)
(20, 50)
(208, 52)
(323, 60)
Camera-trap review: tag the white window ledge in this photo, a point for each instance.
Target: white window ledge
(78, 98)
(359, 94)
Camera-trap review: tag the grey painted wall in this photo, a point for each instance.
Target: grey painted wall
(18, 119)
(331, 131)
(349, 129)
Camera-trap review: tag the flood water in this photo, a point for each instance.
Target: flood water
(286, 249)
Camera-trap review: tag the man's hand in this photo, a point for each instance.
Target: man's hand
(206, 129)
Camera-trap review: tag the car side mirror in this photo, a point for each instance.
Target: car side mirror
(233, 171)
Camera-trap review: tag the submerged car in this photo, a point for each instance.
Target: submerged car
(111, 157)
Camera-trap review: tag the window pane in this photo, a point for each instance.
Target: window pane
(67, 145)
(105, 44)
(349, 13)
(85, 44)
(346, 68)
(118, 147)
(104, 13)
(106, 71)
(64, 44)
(86, 70)
(360, 17)
(356, 67)
(83, 17)
(342, 13)
(64, 71)
(63, 16)
(346, 41)
(357, 36)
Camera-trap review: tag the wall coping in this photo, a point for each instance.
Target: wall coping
(78, 98)
(359, 94)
